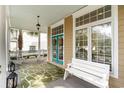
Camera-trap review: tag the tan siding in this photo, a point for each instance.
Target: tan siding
(121, 46)
(48, 43)
(68, 41)
(120, 81)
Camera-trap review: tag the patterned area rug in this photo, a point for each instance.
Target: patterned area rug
(36, 75)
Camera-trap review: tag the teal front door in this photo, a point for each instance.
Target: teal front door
(57, 49)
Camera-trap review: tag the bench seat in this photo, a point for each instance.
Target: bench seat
(95, 73)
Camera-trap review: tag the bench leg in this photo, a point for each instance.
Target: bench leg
(107, 86)
(65, 75)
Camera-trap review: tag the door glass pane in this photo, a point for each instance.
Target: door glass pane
(81, 44)
(60, 46)
(57, 44)
(101, 43)
(54, 47)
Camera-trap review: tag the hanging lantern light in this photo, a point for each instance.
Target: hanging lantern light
(12, 80)
(11, 67)
(38, 25)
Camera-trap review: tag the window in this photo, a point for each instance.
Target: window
(101, 43)
(93, 16)
(101, 39)
(102, 35)
(101, 46)
(57, 30)
(93, 42)
(81, 44)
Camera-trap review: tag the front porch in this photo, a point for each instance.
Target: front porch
(33, 74)
(92, 34)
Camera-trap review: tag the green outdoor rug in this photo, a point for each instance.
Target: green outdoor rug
(36, 75)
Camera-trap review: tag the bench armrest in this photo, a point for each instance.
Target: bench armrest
(69, 65)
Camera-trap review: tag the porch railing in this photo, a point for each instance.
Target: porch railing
(14, 54)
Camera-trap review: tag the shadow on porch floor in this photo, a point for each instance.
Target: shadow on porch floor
(71, 82)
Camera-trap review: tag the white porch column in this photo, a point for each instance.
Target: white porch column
(39, 45)
(38, 57)
(3, 54)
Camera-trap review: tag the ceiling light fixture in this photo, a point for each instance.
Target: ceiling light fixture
(38, 24)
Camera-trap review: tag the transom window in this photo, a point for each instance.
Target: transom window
(57, 30)
(93, 16)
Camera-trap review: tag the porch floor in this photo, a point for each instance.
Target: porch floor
(53, 77)
(71, 82)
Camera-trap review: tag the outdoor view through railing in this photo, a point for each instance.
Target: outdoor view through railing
(30, 43)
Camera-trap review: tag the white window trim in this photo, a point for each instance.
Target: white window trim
(115, 40)
(114, 22)
(57, 23)
(61, 22)
(47, 44)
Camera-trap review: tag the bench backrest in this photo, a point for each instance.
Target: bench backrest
(96, 69)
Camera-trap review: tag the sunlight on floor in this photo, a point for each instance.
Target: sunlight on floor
(38, 74)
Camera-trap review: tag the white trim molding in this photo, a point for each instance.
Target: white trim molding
(115, 40)
(58, 23)
(73, 37)
(50, 44)
(47, 44)
(86, 9)
(114, 23)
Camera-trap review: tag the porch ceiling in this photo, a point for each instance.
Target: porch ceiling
(25, 16)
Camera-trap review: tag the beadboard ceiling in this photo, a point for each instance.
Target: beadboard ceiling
(25, 16)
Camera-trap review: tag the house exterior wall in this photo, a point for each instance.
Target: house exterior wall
(68, 39)
(68, 42)
(68, 46)
(120, 81)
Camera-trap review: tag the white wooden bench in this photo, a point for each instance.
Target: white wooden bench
(94, 73)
